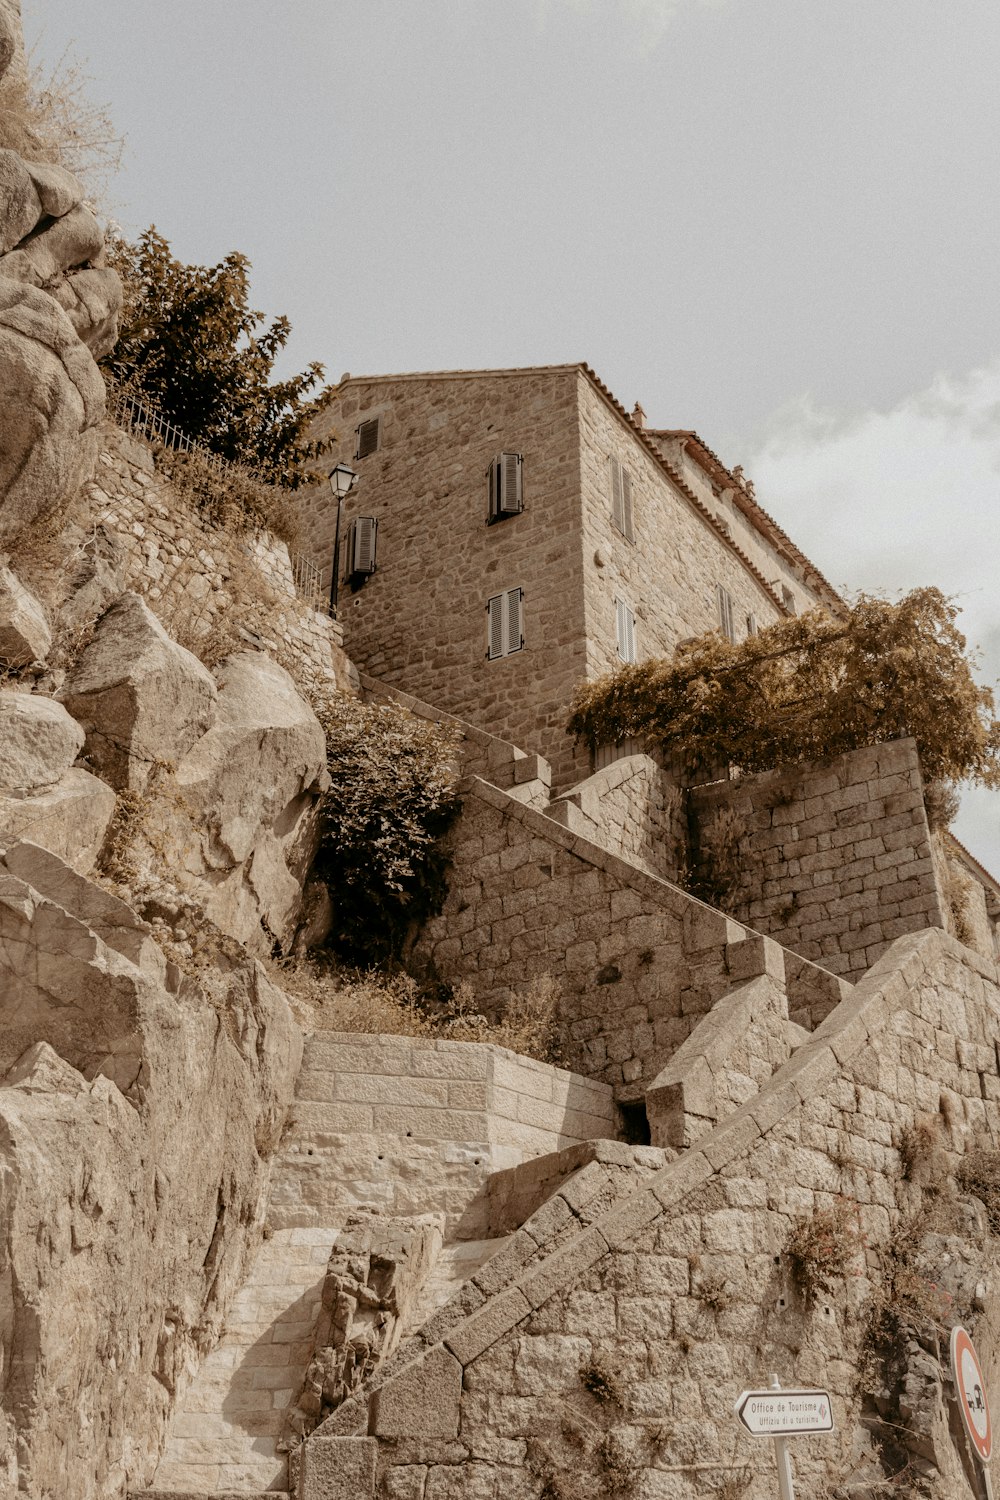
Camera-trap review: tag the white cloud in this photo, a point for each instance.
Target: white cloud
(889, 500)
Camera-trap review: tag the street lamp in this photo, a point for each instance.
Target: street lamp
(342, 481)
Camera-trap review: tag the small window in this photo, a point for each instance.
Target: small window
(752, 626)
(727, 613)
(625, 630)
(504, 481)
(368, 435)
(359, 549)
(789, 599)
(504, 624)
(621, 500)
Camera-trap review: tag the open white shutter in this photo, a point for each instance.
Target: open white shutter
(727, 613)
(625, 630)
(627, 531)
(510, 483)
(365, 531)
(515, 628)
(495, 626)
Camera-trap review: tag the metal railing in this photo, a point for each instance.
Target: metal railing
(138, 419)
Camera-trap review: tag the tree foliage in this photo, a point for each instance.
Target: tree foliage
(813, 686)
(393, 793)
(192, 345)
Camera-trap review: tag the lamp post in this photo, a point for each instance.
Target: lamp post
(342, 480)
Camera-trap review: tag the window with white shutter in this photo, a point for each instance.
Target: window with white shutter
(504, 623)
(751, 625)
(360, 548)
(625, 630)
(621, 499)
(727, 613)
(505, 487)
(368, 434)
(788, 598)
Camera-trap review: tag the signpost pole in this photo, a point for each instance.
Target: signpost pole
(782, 1458)
(987, 1484)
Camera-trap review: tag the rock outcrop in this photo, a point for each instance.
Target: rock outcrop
(25, 634)
(59, 311)
(136, 1118)
(141, 698)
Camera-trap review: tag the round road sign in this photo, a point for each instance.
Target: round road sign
(971, 1388)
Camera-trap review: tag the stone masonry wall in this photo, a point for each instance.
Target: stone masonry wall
(638, 960)
(631, 809)
(669, 574)
(189, 572)
(403, 1125)
(685, 1288)
(833, 860)
(419, 622)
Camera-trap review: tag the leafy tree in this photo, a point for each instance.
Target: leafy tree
(393, 793)
(813, 686)
(191, 345)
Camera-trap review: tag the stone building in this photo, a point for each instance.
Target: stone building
(531, 535)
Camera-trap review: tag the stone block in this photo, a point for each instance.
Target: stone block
(338, 1468)
(422, 1401)
(484, 1328)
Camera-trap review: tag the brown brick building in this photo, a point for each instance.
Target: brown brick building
(530, 535)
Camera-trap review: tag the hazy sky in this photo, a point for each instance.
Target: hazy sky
(775, 221)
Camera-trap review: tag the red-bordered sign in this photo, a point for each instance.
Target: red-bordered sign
(971, 1388)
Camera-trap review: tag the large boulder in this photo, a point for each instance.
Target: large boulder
(51, 400)
(20, 205)
(92, 299)
(249, 788)
(137, 1115)
(39, 741)
(54, 247)
(70, 818)
(11, 38)
(141, 697)
(25, 635)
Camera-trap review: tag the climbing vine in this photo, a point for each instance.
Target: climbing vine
(808, 687)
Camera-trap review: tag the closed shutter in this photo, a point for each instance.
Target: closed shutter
(751, 625)
(504, 624)
(727, 618)
(625, 630)
(617, 503)
(368, 435)
(627, 531)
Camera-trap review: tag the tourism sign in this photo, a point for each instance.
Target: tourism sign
(971, 1389)
(785, 1413)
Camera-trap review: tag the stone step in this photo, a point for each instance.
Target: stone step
(199, 1494)
(457, 1262)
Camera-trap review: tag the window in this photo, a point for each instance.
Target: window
(727, 613)
(789, 599)
(621, 500)
(751, 625)
(359, 549)
(625, 630)
(368, 434)
(504, 624)
(503, 479)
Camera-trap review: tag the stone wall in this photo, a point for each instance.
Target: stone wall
(685, 1289)
(192, 574)
(420, 621)
(632, 809)
(403, 1125)
(833, 859)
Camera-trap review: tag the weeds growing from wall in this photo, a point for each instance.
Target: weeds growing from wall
(822, 1246)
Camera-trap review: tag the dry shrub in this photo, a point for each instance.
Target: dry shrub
(979, 1175)
(717, 862)
(599, 1376)
(941, 802)
(712, 1290)
(232, 500)
(618, 1455)
(821, 1247)
(956, 894)
(921, 1152)
(51, 118)
(328, 997)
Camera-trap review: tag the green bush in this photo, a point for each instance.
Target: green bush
(393, 794)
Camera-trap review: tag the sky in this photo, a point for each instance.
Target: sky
(775, 221)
